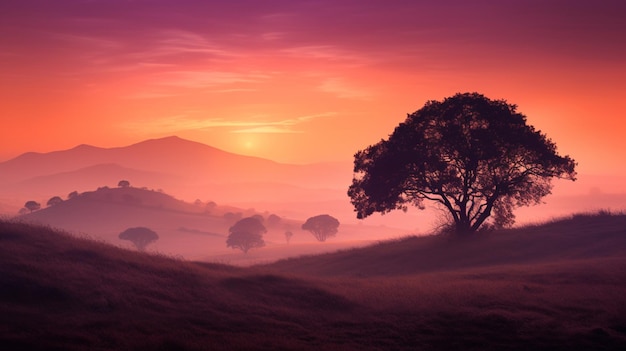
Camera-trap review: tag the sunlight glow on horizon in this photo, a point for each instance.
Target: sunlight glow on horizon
(301, 82)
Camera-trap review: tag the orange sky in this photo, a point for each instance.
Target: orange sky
(305, 81)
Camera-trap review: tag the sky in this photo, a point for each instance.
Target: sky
(305, 81)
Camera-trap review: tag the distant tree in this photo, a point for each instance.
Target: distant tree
(198, 202)
(211, 205)
(246, 234)
(472, 156)
(23, 211)
(123, 184)
(288, 236)
(259, 217)
(273, 220)
(141, 237)
(322, 226)
(32, 205)
(73, 194)
(55, 200)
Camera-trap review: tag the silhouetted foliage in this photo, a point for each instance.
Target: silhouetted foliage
(322, 227)
(259, 217)
(273, 220)
(471, 155)
(73, 194)
(123, 184)
(55, 200)
(141, 237)
(246, 234)
(23, 211)
(32, 205)
(288, 236)
(198, 202)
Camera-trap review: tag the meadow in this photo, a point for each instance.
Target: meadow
(552, 286)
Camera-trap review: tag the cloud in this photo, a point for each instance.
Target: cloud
(268, 130)
(257, 124)
(204, 79)
(339, 87)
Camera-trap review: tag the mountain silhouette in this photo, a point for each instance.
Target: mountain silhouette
(186, 168)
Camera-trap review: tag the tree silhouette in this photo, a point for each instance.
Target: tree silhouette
(471, 155)
(123, 184)
(288, 235)
(273, 220)
(141, 237)
(55, 200)
(322, 226)
(246, 234)
(32, 205)
(73, 194)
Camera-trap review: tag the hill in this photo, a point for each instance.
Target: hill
(62, 292)
(582, 236)
(193, 231)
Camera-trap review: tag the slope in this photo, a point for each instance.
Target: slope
(59, 292)
(581, 236)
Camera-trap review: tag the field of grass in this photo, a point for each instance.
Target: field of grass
(557, 286)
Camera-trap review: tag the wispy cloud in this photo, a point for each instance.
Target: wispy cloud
(342, 89)
(176, 42)
(256, 124)
(205, 79)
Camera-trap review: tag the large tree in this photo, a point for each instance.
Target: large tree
(246, 234)
(322, 226)
(471, 155)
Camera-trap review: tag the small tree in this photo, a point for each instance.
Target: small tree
(288, 236)
(32, 205)
(273, 220)
(55, 200)
(123, 184)
(246, 234)
(23, 211)
(322, 226)
(139, 236)
(472, 156)
(72, 195)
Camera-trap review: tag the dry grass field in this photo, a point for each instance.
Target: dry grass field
(556, 286)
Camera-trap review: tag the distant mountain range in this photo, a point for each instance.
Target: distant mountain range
(185, 168)
(190, 170)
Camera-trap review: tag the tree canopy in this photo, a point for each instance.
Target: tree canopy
(55, 200)
(471, 155)
(322, 226)
(141, 237)
(246, 234)
(32, 205)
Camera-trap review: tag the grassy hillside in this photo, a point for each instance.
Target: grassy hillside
(59, 292)
(582, 236)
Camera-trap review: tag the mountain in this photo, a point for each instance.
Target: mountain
(193, 161)
(188, 169)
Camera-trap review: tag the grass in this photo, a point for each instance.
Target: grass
(557, 286)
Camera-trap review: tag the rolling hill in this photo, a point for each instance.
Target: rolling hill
(194, 231)
(62, 292)
(576, 237)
